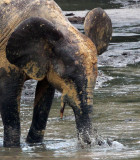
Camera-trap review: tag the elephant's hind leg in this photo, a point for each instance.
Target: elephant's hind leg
(10, 91)
(43, 101)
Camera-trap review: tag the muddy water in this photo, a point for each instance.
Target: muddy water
(116, 101)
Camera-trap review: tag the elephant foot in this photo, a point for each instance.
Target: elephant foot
(87, 141)
(84, 139)
(11, 137)
(35, 136)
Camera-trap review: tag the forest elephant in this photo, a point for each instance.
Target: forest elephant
(38, 42)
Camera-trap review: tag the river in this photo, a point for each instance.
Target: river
(116, 97)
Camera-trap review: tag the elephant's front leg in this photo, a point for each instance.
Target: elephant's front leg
(43, 101)
(10, 91)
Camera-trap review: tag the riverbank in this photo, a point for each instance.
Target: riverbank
(124, 48)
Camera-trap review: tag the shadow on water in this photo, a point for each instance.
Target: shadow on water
(74, 5)
(70, 5)
(116, 97)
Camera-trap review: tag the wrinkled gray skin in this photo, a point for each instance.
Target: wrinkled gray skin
(38, 42)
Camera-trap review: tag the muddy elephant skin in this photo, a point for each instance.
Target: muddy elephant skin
(38, 42)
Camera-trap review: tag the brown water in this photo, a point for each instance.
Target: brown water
(116, 103)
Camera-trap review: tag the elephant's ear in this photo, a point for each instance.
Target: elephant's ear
(30, 44)
(98, 28)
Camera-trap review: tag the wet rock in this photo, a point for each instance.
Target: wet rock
(76, 20)
(69, 14)
(124, 54)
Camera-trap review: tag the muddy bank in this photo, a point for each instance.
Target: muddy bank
(124, 48)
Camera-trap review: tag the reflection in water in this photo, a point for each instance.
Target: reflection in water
(116, 100)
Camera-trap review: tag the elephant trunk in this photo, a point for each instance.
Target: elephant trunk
(84, 124)
(83, 117)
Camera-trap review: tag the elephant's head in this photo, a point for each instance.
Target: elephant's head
(67, 61)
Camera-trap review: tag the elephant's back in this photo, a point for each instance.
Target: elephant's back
(9, 10)
(13, 12)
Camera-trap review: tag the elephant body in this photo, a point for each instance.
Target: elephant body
(38, 42)
(14, 12)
